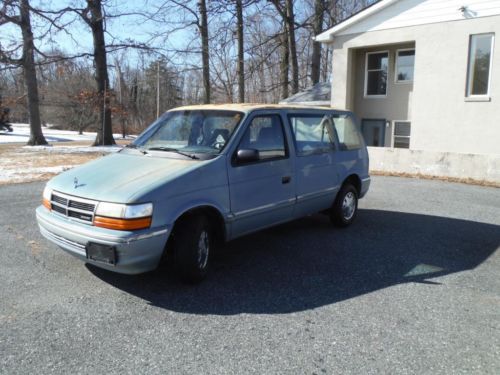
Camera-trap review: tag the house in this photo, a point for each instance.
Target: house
(423, 76)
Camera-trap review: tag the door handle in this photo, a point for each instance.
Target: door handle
(286, 179)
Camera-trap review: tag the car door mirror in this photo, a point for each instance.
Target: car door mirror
(247, 155)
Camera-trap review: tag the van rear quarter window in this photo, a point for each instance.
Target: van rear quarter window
(347, 132)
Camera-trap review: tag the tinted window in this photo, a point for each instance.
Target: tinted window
(376, 73)
(265, 134)
(313, 133)
(405, 62)
(347, 132)
(480, 51)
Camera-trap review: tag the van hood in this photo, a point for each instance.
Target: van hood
(121, 178)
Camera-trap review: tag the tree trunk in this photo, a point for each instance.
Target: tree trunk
(241, 54)
(284, 66)
(203, 27)
(29, 71)
(95, 21)
(319, 9)
(290, 25)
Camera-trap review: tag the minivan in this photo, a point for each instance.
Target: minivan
(203, 175)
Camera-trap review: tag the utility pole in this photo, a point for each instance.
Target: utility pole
(103, 112)
(158, 90)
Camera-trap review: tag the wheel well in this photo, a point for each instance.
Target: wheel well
(214, 217)
(355, 181)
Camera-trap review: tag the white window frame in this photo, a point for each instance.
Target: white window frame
(401, 136)
(468, 93)
(396, 65)
(366, 74)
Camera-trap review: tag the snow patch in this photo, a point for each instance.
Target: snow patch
(29, 174)
(21, 134)
(74, 149)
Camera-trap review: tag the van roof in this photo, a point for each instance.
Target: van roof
(246, 107)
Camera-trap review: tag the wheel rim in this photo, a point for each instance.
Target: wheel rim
(203, 249)
(348, 206)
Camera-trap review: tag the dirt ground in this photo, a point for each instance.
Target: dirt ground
(21, 164)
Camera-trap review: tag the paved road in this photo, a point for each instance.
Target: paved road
(412, 287)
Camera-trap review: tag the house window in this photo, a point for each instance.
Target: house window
(479, 71)
(402, 131)
(405, 61)
(377, 64)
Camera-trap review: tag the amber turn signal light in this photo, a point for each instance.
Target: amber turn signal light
(122, 224)
(46, 204)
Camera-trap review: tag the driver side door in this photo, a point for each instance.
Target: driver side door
(261, 191)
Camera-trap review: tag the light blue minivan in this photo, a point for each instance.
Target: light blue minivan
(202, 175)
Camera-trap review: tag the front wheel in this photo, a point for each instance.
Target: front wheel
(193, 241)
(345, 206)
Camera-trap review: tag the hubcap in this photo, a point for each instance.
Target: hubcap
(203, 248)
(348, 206)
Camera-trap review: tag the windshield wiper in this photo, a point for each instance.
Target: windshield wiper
(140, 149)
(171, 149)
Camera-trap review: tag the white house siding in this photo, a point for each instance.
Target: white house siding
(442, 119)
(419, 12)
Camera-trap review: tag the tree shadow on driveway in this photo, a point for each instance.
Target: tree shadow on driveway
(307, 263)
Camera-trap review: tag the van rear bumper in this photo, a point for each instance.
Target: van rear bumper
(365, 185)
(136, 252)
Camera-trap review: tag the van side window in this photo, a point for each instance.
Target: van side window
(313, 134)
(266, 135)
(347, 132)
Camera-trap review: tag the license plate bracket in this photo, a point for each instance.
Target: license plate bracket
(101, 253)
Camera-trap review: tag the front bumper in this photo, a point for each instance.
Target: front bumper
(137, 252)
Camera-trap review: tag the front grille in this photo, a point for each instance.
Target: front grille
(59, 209)
(60, 200)
(81, 206)
(76, 208)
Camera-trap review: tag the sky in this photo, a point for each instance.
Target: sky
(77, 37)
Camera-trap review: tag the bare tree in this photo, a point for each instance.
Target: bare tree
(290, 25)
(93, 17)
(241, 51)
(18, 13)
(205, 51)
(317, 26)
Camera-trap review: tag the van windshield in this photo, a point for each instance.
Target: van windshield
(197, 131)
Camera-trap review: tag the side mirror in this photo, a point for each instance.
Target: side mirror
(247, 155)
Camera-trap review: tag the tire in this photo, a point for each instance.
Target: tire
(345, 207)
(193, 242)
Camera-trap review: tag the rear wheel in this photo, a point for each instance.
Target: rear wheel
(193, 242)
(345, 206)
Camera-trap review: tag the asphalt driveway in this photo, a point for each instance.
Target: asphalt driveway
(412, 287)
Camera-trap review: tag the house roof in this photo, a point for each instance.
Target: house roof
(392, 14)
(327, 35)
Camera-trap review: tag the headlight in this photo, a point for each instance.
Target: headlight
(124, 211)
(123, 216)
(46, 196)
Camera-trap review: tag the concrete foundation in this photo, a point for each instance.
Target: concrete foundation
(476, 167)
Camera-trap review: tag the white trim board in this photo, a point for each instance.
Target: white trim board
(391, 14)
